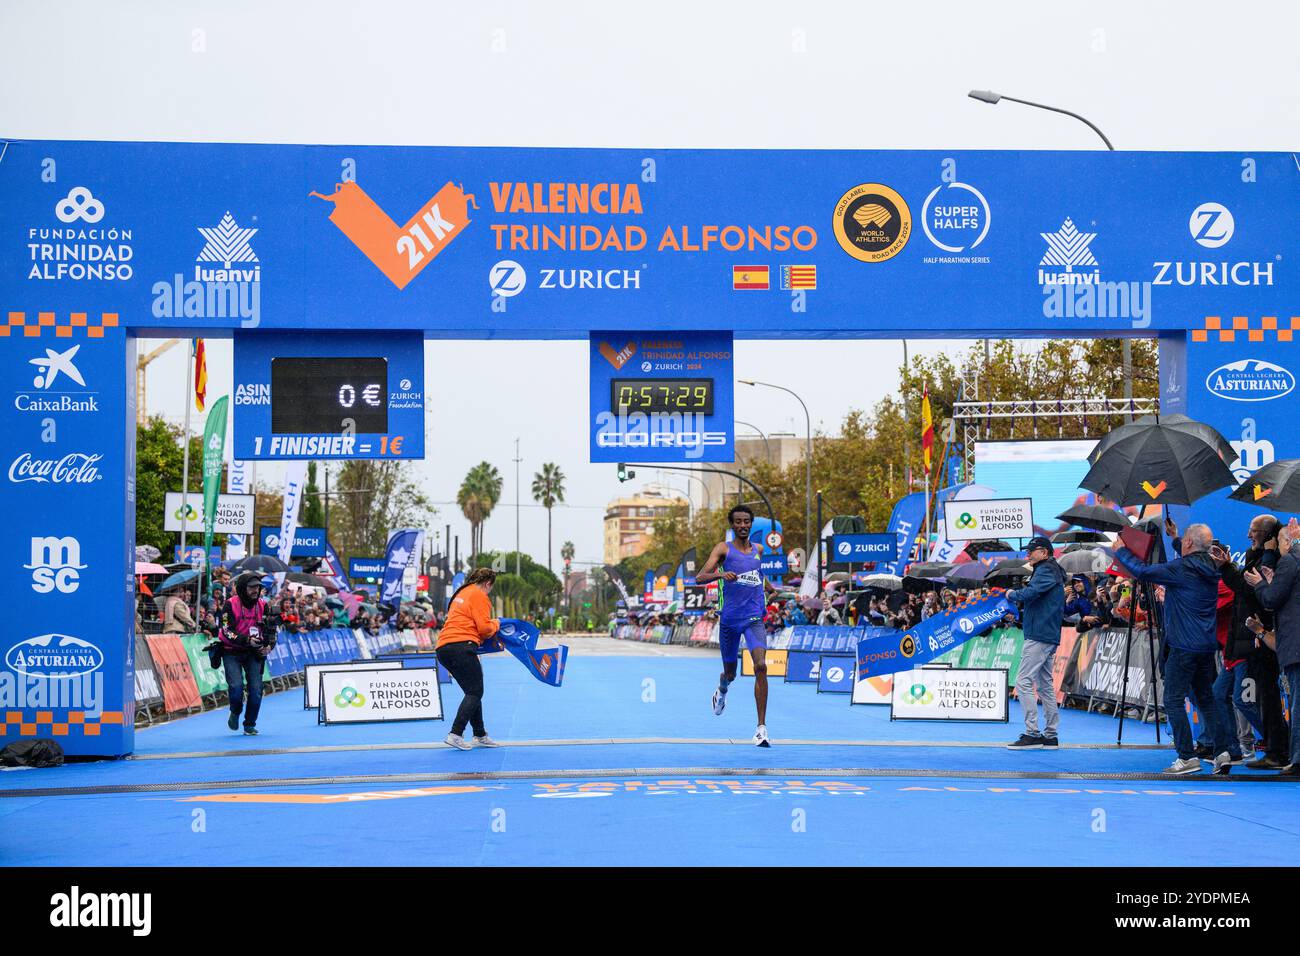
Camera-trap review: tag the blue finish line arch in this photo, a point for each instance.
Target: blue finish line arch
(101, 243)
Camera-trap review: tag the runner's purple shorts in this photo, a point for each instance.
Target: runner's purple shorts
(729, 635)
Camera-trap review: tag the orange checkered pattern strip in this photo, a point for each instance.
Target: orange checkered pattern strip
(1227, 328)
(65, 325)
(19, 723)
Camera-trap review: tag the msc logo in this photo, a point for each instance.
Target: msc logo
(55, 565)
(1211, 225)
(1250, 380)
(1252, 455)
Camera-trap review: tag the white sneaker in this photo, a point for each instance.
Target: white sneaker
(1223, 764)
(719, 701)
(485, 741)
(457, 741)
(760, 736)
(1180, 767)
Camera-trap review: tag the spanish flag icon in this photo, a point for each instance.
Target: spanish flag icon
(750, 277)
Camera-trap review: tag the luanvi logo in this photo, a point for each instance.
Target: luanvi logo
(227, 280)
(1068, 248)
(401, 253)
(130, 910)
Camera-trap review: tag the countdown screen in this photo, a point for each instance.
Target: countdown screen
(329, 395)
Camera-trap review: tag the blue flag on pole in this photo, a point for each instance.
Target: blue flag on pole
(402, 547)
(904, 650)
(906, 521)
(520, 639)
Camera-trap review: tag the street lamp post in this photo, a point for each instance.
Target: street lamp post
(988, 96)
(807, 501)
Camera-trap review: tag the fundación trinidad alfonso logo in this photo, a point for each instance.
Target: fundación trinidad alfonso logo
(918, 694)
(872, 222)
(349, 697)
(400, 252)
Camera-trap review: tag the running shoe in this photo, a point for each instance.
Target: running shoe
(250, 731)
(1223, 764)
(1181, 767)
(1027, 742)
(1265, 763)
(719, 701)
(1290, 770)
(457, 741)
(760, 736)
(485, 741)
(233, 722)
(1050, 743)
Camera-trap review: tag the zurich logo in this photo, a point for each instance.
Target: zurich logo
(1211, 225)
(54, 657)
(843, 548)
(1250, 380)
(507, 630)
(507, 278)
(966, 625)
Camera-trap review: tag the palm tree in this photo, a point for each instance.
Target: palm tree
(567, 551)
(548, 490)
(478, 495)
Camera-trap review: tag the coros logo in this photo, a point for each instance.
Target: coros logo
(54, 657)
(1211, 225)
(918, 694)
(1250, 380)
(507, 278)
(959, 221)
(349, 697)
(872, 222)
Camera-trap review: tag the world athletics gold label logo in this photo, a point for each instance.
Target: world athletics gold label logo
(872, 222)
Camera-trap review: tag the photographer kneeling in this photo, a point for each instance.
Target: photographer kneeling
(247, 635)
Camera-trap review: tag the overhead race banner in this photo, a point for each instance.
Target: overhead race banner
(892, 652)
(375, 695)
(234, 513)
(323, 396)
(989, 519)
(661, 397)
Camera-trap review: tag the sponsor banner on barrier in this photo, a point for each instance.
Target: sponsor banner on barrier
(864, 548)
(234, 513)
(307, 542)
(1061, 662)
(379, 695)
(147, 689)
(989, 519)
(1104, 677)
(311, 676)
(835, 674)
(873, 690)
(775, 660)
(895, 651)
(801, 667)
(950, 693)
(172, 665)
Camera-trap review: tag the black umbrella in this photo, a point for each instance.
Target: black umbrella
(1181, 423)
(927, 576)
(1011, 569)
(1273, 488)
(1155, 463)
(1084, 545)
(1074, 537)
(1096, 517)
(259, 564)
(976, 548)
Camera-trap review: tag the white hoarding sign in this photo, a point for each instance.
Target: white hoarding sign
(234, 513)
(950, 693)
(989, 519)
(873, 690)
(312, 672)
(370, 696)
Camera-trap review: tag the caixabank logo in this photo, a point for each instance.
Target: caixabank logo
(400, 252)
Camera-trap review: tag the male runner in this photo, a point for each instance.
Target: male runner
(743, 589)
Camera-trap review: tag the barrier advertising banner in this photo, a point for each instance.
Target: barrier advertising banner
(873, 690)
(172, 665)
(892, 652)
(950, 693)
(311, 677)
(835, 674)
(379, 695)
(234, 513)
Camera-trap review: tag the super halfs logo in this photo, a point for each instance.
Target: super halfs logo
(400, 252)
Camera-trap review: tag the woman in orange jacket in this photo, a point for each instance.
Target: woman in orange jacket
(469, 622)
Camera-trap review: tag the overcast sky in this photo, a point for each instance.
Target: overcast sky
(1179, 76)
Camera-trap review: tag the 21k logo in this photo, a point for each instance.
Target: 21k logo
(400, 252)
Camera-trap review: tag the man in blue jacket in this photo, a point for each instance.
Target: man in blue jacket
(1191, 585)
(1042, 603)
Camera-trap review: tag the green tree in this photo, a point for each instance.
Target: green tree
(534, 589)
(313, 512)
(548, 489)
(159, 464)
(478, 494)
(374, 499)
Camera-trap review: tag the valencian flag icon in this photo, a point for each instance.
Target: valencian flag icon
(927, 429)
(799, 277)
(750, 277)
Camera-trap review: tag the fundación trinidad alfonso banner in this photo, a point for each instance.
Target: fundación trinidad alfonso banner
(905, 650)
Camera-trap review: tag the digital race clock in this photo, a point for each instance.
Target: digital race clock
(323, 395)
(683, 395)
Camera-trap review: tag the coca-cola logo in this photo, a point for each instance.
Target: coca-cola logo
(75, 468)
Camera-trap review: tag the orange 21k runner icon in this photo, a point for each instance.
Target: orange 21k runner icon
(400, 252)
